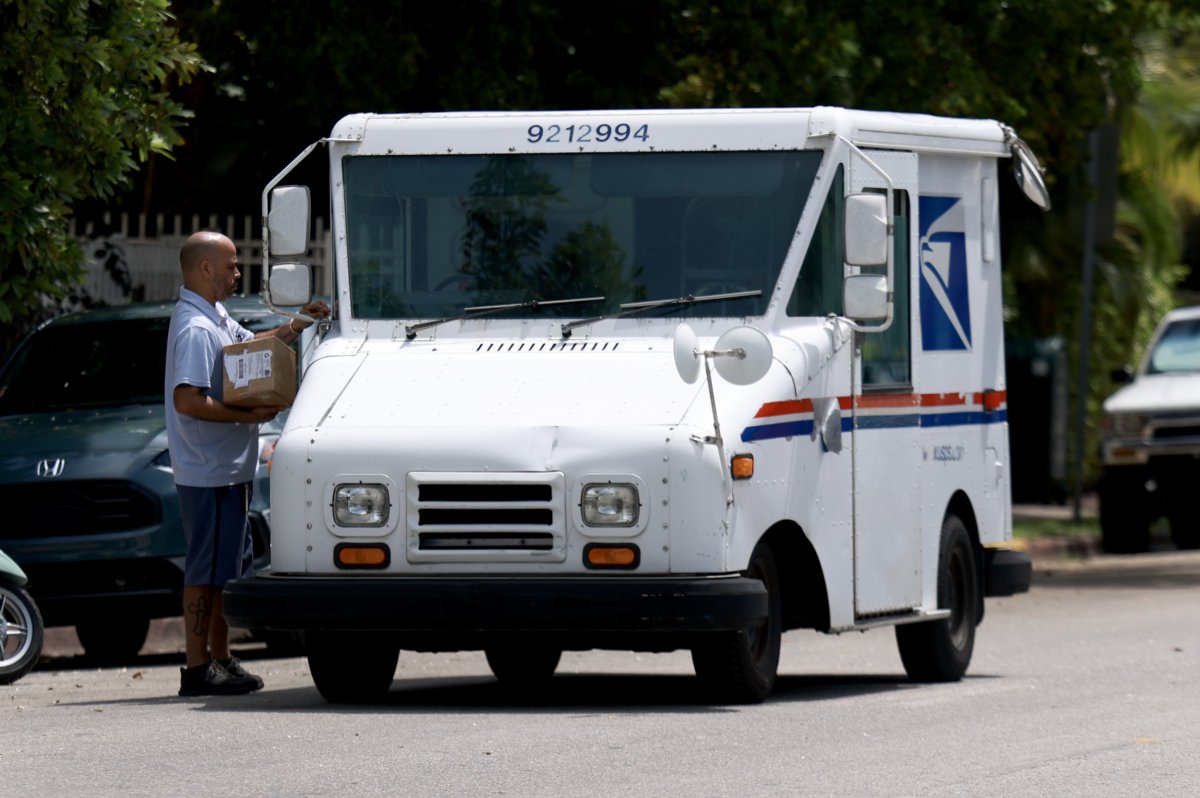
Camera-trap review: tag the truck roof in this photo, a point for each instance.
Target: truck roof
(674, 129)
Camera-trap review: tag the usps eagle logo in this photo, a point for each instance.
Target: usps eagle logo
(945, 303)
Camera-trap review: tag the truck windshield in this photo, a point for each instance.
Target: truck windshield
(1178, 349)
(431, 235)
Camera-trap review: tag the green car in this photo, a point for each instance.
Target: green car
(91, 513)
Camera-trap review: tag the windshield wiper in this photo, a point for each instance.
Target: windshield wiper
(411, 330)
(630, 308)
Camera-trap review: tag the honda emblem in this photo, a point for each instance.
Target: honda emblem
(51, 468)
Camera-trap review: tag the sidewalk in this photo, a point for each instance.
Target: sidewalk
(1080, 546)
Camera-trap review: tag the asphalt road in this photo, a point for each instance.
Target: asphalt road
(1084, 686)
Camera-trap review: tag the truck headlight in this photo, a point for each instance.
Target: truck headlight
(1128, 425)
(360, 504)
(610, 504)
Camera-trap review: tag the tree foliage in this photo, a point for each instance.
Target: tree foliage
(285, 72)
(85, 92)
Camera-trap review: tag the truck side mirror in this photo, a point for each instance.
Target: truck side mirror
(866, 230)
(288, 221)
(290, 284)
(865, 297)
(1122, 375)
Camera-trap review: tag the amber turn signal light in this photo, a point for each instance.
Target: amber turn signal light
(742, 466)
(362, 555)
(622, 556)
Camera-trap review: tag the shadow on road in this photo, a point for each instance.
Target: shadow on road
(567, 693)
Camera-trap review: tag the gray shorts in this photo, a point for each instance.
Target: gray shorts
(219, 547)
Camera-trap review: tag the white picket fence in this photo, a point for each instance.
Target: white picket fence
(150, 248)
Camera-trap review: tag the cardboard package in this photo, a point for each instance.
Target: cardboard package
(260, 373)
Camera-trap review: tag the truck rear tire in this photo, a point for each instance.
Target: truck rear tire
(352, 667)
(739, 667)
(940, 651)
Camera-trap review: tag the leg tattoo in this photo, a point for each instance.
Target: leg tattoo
(199, 611)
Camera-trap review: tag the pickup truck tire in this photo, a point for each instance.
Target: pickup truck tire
(351, 667)
(111, 640)
(739, 667)
(1185, 529)
(522, 665)
(1124, 519)
(940, 651)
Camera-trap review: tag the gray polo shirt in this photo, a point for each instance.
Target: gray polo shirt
(205, 454)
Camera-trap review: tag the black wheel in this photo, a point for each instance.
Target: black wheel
(522, 665)
(1185, 529)
(739, 667)
(352, 667)
(940, 651)
(1124, 515)
(21, 633)
(112, 640)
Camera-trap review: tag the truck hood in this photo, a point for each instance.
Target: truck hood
(602, 384)
(1157, 393)
(100, 443)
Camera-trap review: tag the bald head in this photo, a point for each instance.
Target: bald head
(209, 264)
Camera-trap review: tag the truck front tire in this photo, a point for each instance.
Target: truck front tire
(352, 667)
(739, 667)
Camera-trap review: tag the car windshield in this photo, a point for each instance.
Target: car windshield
(430, 236)
(1178, 349)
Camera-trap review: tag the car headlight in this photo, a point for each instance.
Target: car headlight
(360, 505)
(1128, 425)
(610, 504)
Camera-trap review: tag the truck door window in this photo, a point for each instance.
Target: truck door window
(886, 356)
(818, 290)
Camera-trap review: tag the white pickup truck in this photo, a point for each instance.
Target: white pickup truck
(1151, 445)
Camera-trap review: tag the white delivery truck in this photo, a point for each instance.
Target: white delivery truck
(646, 380)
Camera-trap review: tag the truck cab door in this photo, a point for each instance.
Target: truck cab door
(886, 419)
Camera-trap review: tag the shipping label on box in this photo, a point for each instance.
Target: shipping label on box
(260, 373)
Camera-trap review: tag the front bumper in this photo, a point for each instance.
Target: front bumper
(456, 609)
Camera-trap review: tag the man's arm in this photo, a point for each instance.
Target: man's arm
(191, 401)
(290, 330)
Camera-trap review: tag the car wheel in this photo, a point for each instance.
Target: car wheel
(112, 640)
(940, 651)
(522, 665)
(739, 667)
(21, 633)
(352, 667)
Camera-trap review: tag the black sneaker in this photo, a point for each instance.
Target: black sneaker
(233, 666)
(213, 679)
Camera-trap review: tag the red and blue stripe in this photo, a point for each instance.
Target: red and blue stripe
(794, 417)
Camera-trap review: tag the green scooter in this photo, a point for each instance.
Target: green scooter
(21, 629)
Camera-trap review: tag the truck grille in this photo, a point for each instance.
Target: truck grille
(486, 517)
(1181, 431)
(60, 509)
